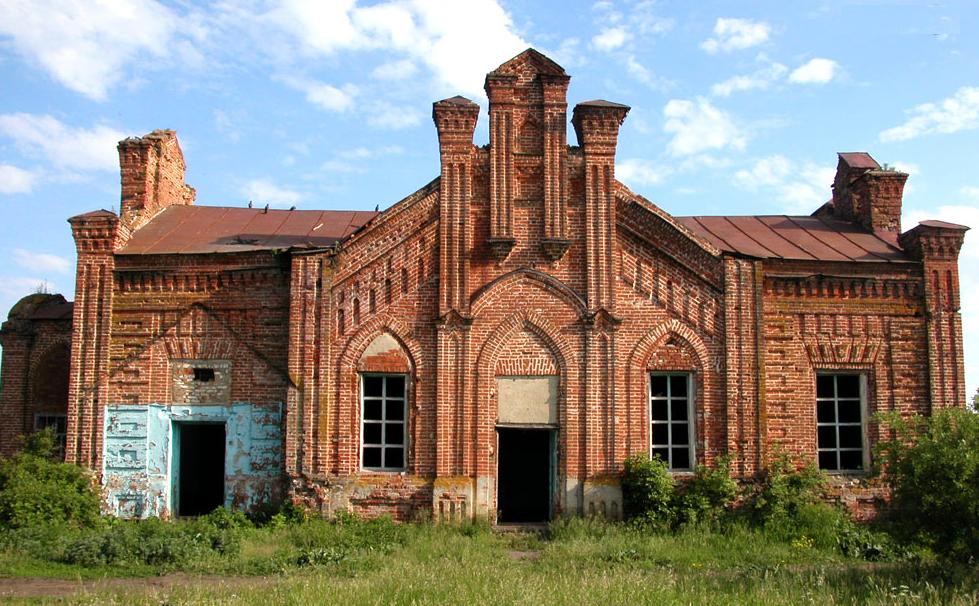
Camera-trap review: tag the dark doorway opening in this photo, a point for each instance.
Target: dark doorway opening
(524, 476)
(200, 473)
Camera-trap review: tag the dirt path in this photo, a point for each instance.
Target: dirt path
(36, 588)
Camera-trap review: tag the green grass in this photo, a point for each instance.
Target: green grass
(581, 562)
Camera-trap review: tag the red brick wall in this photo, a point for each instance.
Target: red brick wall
(524, 257)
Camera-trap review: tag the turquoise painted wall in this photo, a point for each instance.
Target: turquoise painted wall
(139, 459)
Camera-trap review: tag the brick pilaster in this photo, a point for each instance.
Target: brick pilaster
(936, 244)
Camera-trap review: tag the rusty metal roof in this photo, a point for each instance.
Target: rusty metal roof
(217, 229)
(797, 238)
(859, 160)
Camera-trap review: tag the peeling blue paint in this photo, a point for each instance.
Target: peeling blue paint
(140, 463)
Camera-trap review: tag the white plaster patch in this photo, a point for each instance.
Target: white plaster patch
(528, 400)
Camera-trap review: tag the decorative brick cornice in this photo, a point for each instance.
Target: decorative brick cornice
(825, 350)
(931, 241)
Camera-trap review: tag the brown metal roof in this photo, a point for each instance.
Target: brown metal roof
(859, 160)
(797, 238)
(218, 229)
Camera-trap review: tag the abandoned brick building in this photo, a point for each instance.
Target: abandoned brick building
(495, 344)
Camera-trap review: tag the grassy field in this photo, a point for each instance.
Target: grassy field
(577, 562)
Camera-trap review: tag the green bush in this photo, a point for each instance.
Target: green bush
(36, 489)
(708, 495)
(648, 492)
(785, 493)
(932, 466)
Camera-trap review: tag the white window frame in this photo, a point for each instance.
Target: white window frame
(404, 422)
(864, 450)
(691, 409)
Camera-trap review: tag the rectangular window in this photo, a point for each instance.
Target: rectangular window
(671, 419)
(383, 420)
(840, 405)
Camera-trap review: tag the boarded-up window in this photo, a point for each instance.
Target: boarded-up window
(528, 400)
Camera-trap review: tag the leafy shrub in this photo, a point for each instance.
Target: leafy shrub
(932, 466)
(708, 495)
(786, 493)
(37, 490)
(648, 491)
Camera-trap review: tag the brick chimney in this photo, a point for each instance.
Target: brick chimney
(865, 193)
(152, 172)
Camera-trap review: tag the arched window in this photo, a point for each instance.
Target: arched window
(356, 312)
(387, 291)
(372, 301)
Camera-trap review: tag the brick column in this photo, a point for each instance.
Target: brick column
(596, 124)
(500, 91)
(556, 241)
(936, 245)
(456, 120)
(97, 234)
(309, 336)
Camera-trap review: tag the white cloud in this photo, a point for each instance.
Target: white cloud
(815, 71)
(765, 173)
(325, 96)
(390, 116)
(87, 46)
(642, 74)
(15, 180)
(956, 113)
(610, 39)
(698, 126)
(636, 171)
(760, 79)
(800, 188)
(41, 262)
(395, 70)
(264, 191)
(339, 166)
(736, 34)
(64, 146)
(458, 41)
(13, 289)
(971, 191)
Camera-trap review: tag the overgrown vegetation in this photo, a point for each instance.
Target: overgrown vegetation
(932, 465)
(688, 539)
(38, 491)
(787, 504)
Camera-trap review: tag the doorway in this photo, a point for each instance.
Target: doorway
(199, 461)
(524, 475)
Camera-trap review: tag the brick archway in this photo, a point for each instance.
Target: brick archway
(347, 415)
(671, 345)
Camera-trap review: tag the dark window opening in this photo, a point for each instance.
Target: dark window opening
(839, 422)
(670, 416)
(524, 478)
(384, 414)
(200, 474)
(204, 375)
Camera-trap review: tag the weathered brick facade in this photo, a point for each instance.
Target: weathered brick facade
(525, 258)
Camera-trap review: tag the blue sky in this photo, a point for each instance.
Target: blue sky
(737, 107)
